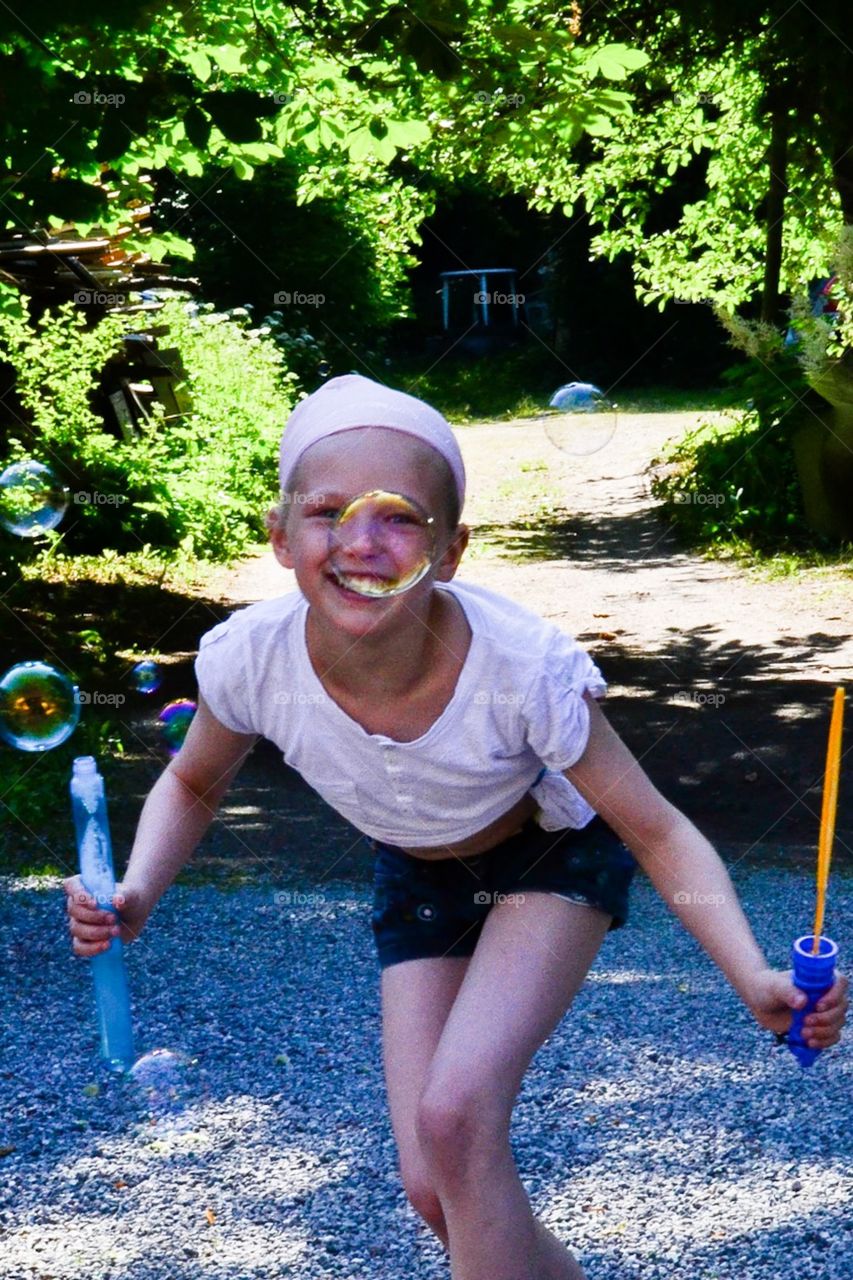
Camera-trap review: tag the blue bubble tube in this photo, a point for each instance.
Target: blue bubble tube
(112, 997)
(814, 975)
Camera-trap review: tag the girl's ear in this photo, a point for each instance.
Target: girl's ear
(276, 523)
(448, 563)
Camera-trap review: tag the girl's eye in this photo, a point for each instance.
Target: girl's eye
(328, 512)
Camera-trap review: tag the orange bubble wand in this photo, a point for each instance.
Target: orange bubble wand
(827, 816)
(813, 956)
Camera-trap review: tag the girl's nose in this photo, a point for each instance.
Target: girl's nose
(359, 537)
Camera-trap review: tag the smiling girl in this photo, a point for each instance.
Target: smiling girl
(462, 735)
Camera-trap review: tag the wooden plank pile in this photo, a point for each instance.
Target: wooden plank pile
(64, 266)
(102, 274)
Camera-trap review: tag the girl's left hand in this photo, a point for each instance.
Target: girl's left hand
(774, 996)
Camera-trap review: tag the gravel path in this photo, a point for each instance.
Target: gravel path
(659, 1131)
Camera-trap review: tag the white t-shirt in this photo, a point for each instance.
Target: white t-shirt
(517, 707)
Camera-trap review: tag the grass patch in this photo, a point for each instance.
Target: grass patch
(518, 383)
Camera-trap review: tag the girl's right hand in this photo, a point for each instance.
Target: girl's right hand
(92, 928)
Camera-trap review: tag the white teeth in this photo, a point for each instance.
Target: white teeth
(359, 582)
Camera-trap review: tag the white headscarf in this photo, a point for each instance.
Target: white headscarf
(353, 401)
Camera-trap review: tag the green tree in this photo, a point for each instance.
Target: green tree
(751, 109)
(92, 108)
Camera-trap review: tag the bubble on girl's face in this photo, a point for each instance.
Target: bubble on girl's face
(381, 544)
(32, 500)
(174, 721)
(39, 707)
(586, 420)
(146, 677)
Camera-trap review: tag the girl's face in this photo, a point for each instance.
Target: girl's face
(330, 474)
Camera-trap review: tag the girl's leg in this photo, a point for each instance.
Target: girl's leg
(417, 996)
(531, 959)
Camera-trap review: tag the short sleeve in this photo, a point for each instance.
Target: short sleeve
(557, 716)
(220, 670)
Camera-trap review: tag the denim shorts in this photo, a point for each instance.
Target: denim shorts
(437, 907)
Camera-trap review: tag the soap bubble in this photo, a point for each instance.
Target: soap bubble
(39, 708)
(586, 421)
(323, 369)
(175, 719)
(146, 677)
(381, 544)
(162, 1082)
(31, 499)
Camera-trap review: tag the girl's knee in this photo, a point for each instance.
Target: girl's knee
(456, 1121)
(423, 1198)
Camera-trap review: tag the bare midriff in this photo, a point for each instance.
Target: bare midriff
(501, 829)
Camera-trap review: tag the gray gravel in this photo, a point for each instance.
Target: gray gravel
(659, 1131)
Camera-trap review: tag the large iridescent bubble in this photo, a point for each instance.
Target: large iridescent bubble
(163, 1084)
(32, 500)
(146, 676)
(39, 707)
(174, 721)
(381, 544)
(586, 419)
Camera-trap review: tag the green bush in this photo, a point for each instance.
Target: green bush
(737, 482)
(199, 484)
(733, 482)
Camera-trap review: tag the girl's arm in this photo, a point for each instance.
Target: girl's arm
(693, 881)
(175, 816)
(183, 802)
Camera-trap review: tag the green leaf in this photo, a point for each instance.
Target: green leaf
(199, 64)
(408, 133)
(329, 132)
(599, 127)
(229, 57)
(615, 61)
(189, 163)
(167, 245)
